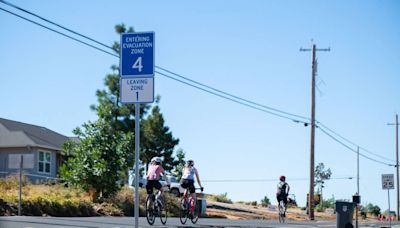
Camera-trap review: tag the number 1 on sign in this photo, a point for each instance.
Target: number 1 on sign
(138, 64)
(137, 96)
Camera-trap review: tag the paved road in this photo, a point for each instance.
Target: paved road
(128, 222)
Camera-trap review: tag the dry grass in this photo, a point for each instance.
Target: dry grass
(9, 190)
(58, 200)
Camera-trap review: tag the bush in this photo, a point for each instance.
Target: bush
(319, 208)
(57, 200)
(373, 209)
(124, 199)
(363, 212)
(265, 202)
(221, 198)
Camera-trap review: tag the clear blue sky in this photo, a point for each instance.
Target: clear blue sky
(247, 48)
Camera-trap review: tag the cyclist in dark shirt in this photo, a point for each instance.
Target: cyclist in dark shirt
(282, 191)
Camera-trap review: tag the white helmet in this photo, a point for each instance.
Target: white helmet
(156, 159)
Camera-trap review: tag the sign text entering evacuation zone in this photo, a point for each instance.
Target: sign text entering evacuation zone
(137, 54)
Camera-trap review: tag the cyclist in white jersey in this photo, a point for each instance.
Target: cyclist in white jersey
(187, 181)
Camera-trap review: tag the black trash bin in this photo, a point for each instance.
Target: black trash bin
(344, 214)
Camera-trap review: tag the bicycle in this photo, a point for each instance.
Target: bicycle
(188, 209)
(281, 211)
(156, 207)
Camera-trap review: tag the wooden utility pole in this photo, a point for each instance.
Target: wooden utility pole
(397, 164)
(312, 140)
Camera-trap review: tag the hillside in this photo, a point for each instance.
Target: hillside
(242, 211)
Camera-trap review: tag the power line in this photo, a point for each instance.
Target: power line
(354, 144)
(269, 180)
(225, 97)
(234, 96)
(216, 92)
(60, 33)
(353, 150)
(198, 83)
(53, 23)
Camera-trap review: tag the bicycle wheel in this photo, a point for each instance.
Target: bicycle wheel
(183, 210)
(150, 213)
(163, 210)
(195, 214)
(281, 213)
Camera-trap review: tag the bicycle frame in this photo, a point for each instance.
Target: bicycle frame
(154, 208)
(188, 208)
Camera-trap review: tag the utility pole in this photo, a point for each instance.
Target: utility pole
(358, 182)
(312, 140)
(358, 170)
(397, 163)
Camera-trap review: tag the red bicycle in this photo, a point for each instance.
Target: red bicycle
(189, 208)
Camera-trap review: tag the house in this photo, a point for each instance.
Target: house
(37, 147)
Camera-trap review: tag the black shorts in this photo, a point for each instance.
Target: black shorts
(185, 183)
(281, 197)
(152, 184)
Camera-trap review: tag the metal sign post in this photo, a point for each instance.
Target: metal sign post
(137, 85)
(137, 146)
(20, 184)
(388, 183)
(20, 162)
(390, 220)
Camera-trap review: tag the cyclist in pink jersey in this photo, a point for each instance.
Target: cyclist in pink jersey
(153, 177)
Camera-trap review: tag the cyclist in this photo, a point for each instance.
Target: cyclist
(282, 191)
(153, 177)
(187, 181)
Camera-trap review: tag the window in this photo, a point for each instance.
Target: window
(44, 162)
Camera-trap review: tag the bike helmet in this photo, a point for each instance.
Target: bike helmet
(190, 163)
(282, 178)
(156, 159)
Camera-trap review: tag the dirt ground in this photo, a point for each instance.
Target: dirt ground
(241, 211)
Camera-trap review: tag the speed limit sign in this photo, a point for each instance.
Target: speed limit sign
(387, 181)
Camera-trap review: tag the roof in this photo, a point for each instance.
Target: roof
(18, 134)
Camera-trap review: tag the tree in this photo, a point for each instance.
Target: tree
(321, 175)
(179, 164)
(265, 201)
(329, 203)
(373, 209)
(96, 160)
(105, 153)
(157, 140)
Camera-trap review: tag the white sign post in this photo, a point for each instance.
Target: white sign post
(388, 183)
(137, 85)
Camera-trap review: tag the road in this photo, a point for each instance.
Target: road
(125, 222)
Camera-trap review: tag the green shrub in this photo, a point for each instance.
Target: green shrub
(265, 202)
(221, 198)
(57, 200)
(373, 209)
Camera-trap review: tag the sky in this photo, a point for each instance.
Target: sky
(246, 48)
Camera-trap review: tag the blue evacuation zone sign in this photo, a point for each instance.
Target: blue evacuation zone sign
(137, 54)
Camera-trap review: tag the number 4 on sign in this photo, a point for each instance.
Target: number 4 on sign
(138, 64)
